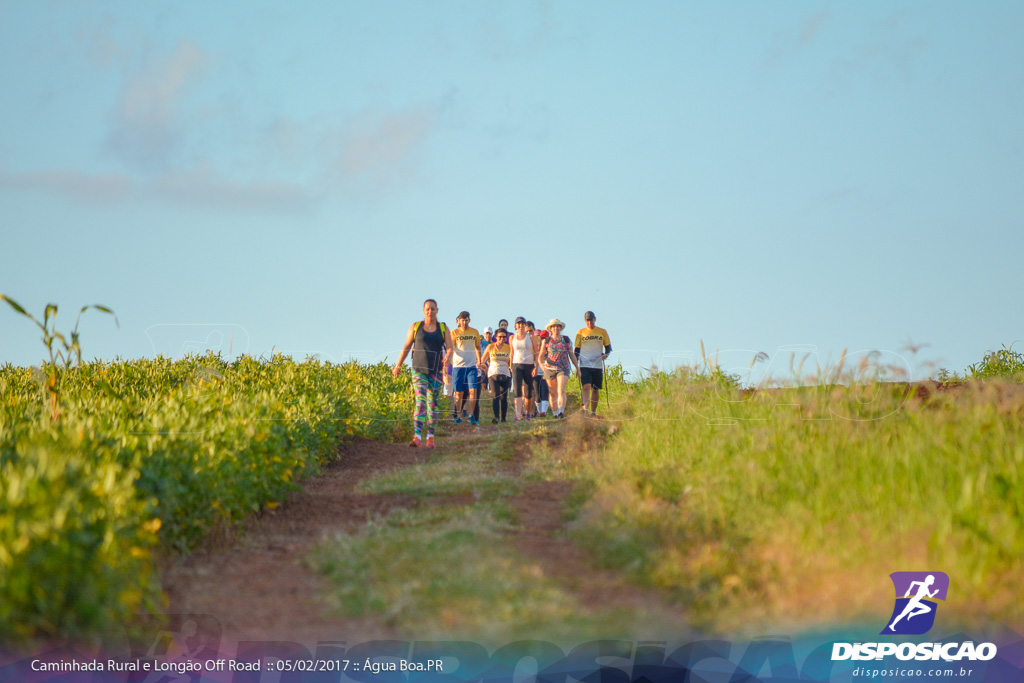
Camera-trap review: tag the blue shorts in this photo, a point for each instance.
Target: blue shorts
(465, 379)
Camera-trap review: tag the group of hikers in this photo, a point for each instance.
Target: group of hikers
(534, 364)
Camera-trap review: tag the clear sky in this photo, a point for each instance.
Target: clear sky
(299, 176)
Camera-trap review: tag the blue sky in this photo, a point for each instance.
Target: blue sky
(760, 176)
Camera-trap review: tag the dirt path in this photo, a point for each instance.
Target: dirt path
(259, 586)
(542, 536)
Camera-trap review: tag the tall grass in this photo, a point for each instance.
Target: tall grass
(757, 509)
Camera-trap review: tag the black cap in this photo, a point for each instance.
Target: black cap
(464, 314)
(589, 315)
(520, 319)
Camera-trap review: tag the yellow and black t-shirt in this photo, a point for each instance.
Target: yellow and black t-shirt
(591, 344)
(501, 356)
(466, 343)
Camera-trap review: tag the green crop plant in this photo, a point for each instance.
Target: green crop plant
(75, 541)
(57, 346)
(1003, 364)
(158, 451)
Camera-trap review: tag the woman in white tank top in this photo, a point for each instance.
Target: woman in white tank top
(522, 349)
(524, 369)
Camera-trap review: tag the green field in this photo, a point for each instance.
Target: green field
(792, 506)
(135, 456)
(742, 510)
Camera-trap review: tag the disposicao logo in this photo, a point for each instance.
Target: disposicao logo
(916, 595)
(913, 614)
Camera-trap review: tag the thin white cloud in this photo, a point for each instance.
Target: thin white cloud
(157, 130)
(380, 151)
(204, 187)
(199, 187)
(286, 140)
(99, 43)
(500, 40)
(372, 153)
(885, 49)
(789, 42)
(147, 126)
(811, 28)
(92, 187)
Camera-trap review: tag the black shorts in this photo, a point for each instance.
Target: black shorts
(592, 376)
(522, 379)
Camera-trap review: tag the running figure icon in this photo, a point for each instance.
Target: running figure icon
(917, 594)
(916, 607)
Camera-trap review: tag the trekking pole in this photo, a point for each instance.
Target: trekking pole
(579, 376)
(604, 374)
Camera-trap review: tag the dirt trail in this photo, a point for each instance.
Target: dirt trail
(259, 586)
(542, 536)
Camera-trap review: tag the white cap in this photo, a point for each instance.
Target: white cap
(487, 329)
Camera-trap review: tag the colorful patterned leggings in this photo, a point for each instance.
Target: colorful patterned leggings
(428, 391)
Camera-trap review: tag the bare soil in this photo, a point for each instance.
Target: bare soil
(259, 586)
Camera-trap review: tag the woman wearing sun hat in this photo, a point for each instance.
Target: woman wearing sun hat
(555, 356)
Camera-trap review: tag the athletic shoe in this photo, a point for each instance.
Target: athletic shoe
(473, 421)
(458, 420)
(519, 419)
(430, 441)
(494, 421)
(415, 443)
(528, 418)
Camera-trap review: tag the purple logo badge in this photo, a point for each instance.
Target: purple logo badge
(916, 595)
